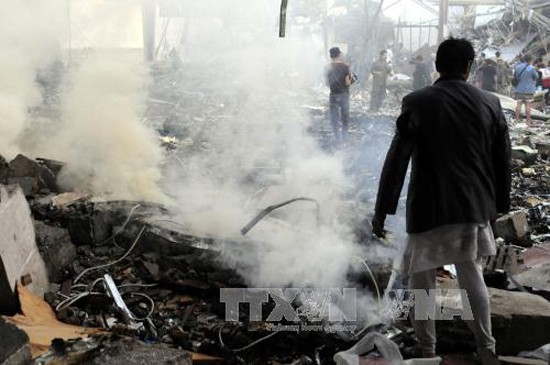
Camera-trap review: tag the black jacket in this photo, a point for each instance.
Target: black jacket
(461, 166)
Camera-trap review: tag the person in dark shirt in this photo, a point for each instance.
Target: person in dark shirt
(488, 74)
(421, 75)
(339, 79)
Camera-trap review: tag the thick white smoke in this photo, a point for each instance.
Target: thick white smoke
(29, 39)
(100, 135)
(107, 149)
(255, 151)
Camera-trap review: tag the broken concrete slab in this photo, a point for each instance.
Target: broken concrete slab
(53, 165)
(536, 255)
(537, 278)
(90, 222)
(28, 184)
(18, 252)
(22, 166)
(513, 228)
(14, 347)
(520, 320)
(56, 248)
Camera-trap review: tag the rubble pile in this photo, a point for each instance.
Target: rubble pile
(152, 284)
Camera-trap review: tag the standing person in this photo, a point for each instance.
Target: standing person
(545, 81)
(539, 65)
(380, 70)
(421, 75)
(478, 63)
(525, 77)
(502, 75)
(460, 178)
(339, 78)
(488, 75)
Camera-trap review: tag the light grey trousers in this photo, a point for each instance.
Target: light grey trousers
(470, 278)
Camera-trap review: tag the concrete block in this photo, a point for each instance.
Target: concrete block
(22, 166)
(56, 248)
(19, 254)
(14, 347)
(28, 184)
(520, 321)
(513, 228)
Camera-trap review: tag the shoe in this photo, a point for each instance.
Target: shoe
(487, 357)
(417, 353)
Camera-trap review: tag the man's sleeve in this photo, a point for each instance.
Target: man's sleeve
(502, 164)
(396, 164)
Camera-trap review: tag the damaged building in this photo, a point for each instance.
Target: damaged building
(171, 192)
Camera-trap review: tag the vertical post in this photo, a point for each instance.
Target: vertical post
(469, 18)
(411, 39)
(148, 15)
(69, 31)
(443, 17)
(282, 19)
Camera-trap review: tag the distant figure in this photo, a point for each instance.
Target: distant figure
(539, 65)
(477, 64)
(421, 74)
(502, 74)
(545, 80)
(380, 70)
(339, 78)
(526, 77)
(488, 75)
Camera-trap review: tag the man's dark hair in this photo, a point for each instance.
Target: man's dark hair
(383, 52)
(497, 53)
(334, 52)
(454, 55)
(527, 58)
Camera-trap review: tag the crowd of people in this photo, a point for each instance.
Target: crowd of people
(522, 81)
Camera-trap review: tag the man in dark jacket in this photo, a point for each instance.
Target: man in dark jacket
(458, 140)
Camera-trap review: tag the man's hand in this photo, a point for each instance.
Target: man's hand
(378, 225)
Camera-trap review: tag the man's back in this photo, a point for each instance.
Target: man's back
(527, 76)
(453, 129)
(488, 74)
(336, 77)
